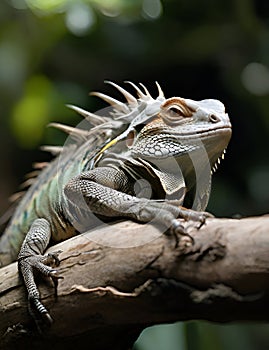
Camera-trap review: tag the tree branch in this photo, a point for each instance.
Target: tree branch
(109, 294)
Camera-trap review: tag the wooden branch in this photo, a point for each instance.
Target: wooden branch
(109, 294)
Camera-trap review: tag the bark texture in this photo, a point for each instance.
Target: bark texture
(114, 286)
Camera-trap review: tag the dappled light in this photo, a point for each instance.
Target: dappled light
(79, 19)
(255, 78)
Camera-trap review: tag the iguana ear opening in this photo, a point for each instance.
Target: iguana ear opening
(130, 138)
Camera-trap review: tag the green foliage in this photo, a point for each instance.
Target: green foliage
(31, 113)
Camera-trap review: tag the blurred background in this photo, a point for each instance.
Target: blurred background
(55, 52)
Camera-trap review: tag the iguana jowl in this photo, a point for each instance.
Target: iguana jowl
(143, 162)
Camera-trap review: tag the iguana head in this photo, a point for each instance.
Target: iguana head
(157, 129)
(184, 126)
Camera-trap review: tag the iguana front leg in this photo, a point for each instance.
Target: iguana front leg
(31, 260)
(108, 192)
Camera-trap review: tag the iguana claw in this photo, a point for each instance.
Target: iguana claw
(28, 266)
(178, 227)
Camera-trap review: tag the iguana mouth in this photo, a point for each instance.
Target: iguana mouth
(200, 133)
(178, 136)
(216, 131)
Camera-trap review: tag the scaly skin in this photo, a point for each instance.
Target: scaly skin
(150, 158)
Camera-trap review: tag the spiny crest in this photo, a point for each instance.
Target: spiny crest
(16, 196)
(215, 166)
(77, 134)
(131, 100)
(54, 150)
(94, 119)
(30, 179)
(122, 112)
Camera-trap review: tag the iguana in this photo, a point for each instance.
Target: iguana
(144, 161)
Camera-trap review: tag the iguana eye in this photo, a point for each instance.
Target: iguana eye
(174, 110)
(174, 114)
(177, 110)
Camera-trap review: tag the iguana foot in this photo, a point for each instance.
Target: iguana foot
(196, 216)
(178, 228)
(28, 267)
(31, 261)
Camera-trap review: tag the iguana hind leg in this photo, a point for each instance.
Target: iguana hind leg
(31, 260)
